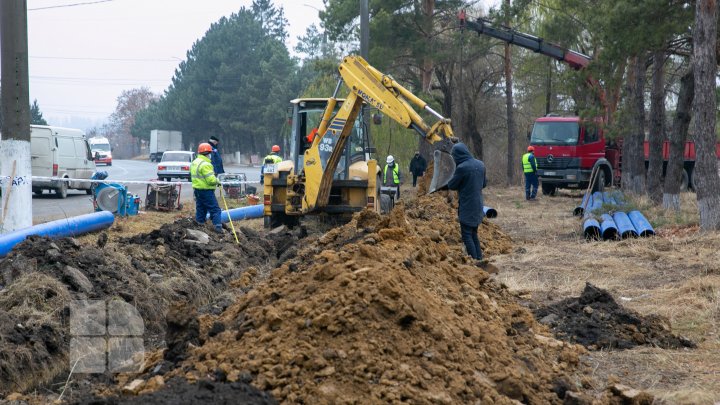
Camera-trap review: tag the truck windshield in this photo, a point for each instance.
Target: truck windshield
(555, 133)
(105, 147)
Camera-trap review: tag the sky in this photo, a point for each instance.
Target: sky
(82, 57)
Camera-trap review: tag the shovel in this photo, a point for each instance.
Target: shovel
(443, 170)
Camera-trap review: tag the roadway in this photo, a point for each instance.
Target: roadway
(47, 207)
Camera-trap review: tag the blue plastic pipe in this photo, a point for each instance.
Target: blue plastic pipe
(595, 204)
(579, 210)
(609, 199)
(641, 224)
(624, 225)
(591, 229)
(249, 212)
(608, 227)
(489, 211)
(598, 196)
(73, 226)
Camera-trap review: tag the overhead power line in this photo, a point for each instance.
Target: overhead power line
(69, 5)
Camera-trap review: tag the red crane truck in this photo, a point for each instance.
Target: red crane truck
(568, 149)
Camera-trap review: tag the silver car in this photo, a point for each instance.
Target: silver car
(175, 164)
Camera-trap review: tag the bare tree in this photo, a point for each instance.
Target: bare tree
(705, 67)
(657, 128)
(675, 171)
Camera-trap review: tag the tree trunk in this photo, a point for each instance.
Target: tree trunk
(509, 106)
(678, 136)
(471, 133)
(657, 129)
(705, 66)
(428, 9)
(633, 159)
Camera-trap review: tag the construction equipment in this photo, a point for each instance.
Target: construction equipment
(330, 170)
(234, 185)
(163, 197)
(115, 198)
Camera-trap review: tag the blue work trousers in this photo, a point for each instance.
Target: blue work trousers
(470, 238)
(531, 185)
(205, 202)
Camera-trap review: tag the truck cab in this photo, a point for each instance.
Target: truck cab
(568, 150)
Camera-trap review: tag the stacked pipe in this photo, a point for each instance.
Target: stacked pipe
(615, 224)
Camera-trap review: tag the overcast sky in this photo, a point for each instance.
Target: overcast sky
(82, 57)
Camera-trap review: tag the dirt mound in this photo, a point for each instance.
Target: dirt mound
(596, 321)
(180, 392)
(387, 309)
(176, 263)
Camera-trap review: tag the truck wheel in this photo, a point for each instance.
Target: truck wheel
(61, 192)
(548, 189)
(38, 191)
(599, 181)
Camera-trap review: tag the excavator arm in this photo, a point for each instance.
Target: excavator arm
(310, 189)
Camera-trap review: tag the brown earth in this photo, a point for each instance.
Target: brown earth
(42, 277)
(389, 309)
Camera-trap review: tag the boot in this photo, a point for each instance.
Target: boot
(487, 266)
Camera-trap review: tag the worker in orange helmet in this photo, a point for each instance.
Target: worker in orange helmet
(272, 158)
(204, 183)
(530, 170)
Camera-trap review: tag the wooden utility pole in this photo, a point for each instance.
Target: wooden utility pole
(512, 164)
(15, 162)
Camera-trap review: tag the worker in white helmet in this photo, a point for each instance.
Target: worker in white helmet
(392, 179)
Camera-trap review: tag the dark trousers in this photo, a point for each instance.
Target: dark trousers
(531, 185)
(470, 238)
(415, 176)
(205, 202)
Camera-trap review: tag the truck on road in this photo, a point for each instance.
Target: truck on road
(163, 140)
(569, 149)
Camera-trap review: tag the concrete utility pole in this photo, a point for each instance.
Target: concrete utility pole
(15, 162)
(364, 29)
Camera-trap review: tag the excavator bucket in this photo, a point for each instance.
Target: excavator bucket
(443, 170)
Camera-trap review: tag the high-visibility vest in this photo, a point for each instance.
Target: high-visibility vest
(202, 173)
(527, 166)
(395, 173)
(272, 157)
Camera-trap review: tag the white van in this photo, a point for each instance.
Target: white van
(60, 152)
(101, 150)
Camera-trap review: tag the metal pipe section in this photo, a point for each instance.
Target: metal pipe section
(433, 112)
(73, 226)
(641, 224)
(237, 214)
(489, 211)
(624, 225)
(608, 228)
(591, 229)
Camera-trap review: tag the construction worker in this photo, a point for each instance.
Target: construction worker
(530, 170)
(393, 180)
(469, 181)
(418, 165)
(204, 183)
(272, 158)
(215, 156)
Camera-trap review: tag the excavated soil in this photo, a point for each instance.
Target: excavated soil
(42, 277)
(596, 321)
(388, 309)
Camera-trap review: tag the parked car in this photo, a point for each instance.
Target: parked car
(60, 152)
(175, 164)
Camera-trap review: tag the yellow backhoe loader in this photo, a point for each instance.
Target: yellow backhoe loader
(330, 169)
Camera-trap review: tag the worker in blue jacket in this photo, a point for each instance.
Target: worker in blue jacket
(215, 157)
(469, 181)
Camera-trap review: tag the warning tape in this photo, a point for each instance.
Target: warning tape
(20, 180)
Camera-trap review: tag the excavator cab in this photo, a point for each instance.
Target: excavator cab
(350, 187)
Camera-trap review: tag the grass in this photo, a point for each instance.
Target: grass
(675, 274)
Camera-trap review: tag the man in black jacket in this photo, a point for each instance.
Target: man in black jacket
(418, 165)
(469, 181)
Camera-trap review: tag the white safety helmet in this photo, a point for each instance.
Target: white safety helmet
(390, 159)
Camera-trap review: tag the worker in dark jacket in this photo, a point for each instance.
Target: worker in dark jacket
(530, 170)
(418, 165)
(215, 156)
(469, 181)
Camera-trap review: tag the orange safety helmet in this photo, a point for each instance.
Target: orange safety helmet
(531, 148)
(204, 148)
(275, 148)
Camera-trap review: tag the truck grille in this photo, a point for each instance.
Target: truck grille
(556, 163)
